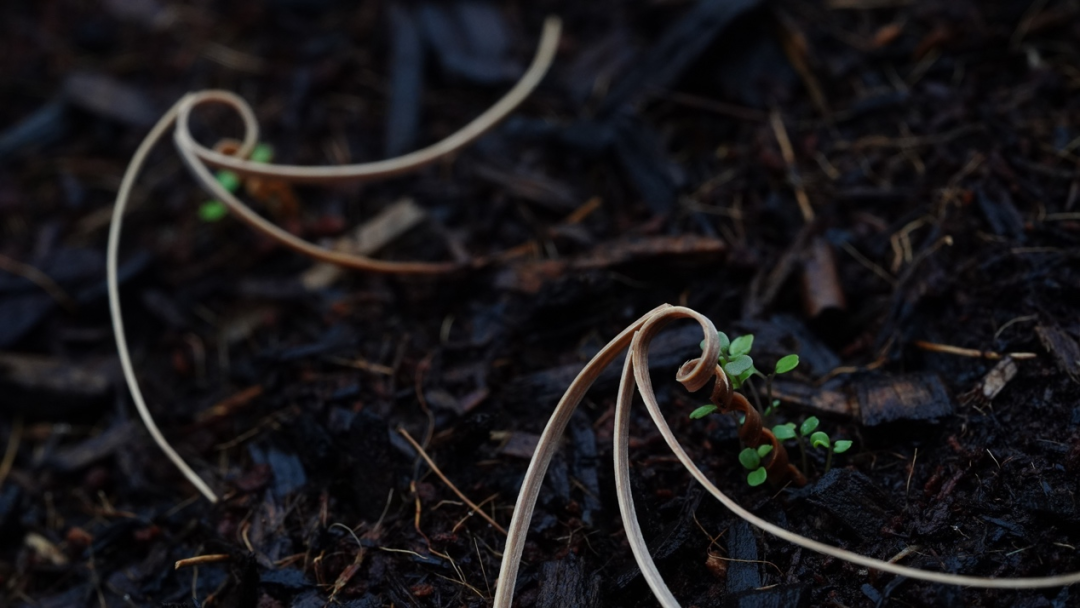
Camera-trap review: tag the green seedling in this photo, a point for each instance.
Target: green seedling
(750, 459)
(214, 210)
(735, 360)
(703, 411)
(737, 363)
(818, 439)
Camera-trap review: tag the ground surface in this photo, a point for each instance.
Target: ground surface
(936, 143)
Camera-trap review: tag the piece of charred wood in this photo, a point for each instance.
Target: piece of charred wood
(584, 465)
(406, 81)
(566, 584)
(51, 388)
(744, 570)
(93, 449)
(873, 400)
(854, 500)
(821, 289)
(828, 400)
(916, 397)
(1064, 348)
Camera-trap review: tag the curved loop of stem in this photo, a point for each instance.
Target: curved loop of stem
(545, 53)
(199, 158)
(694, 375)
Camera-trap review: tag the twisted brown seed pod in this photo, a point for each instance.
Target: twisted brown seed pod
(752, 431)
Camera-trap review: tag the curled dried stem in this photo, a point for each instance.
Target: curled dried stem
(695, 375)
(199, 159)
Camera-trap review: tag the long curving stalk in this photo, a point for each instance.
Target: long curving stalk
(198, 158)
(694, 375)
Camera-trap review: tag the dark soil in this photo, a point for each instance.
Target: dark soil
(937, 142)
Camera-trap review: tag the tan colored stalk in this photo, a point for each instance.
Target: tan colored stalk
(695, 375)
(199, 158)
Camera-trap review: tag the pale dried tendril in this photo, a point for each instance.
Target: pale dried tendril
(199, 159)
(694, 375)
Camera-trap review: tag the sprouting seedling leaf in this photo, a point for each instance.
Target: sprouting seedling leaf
(725, 343)
(228, 180)
(739, 365)
(212, 211)
(738, 381)
(809, 426)
(786, 364)
(819, 440)
(841, 446)
(741, 345)
(263, 153)
(757, 477)
(784, 431)
(763, 450)
(749, 459)
(772, 407)
(703, 411)
(215, 210)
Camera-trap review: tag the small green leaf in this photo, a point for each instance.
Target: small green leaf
(228, 180)
(786, 364)
(841, 446)
(744, 376)
(742, 345)
(749, 459)
(724, 342)
(703, 411)
(741, 379)
(212, 211)
(819, 440)
(809, 426)
(742, 419)
(784, 431)
(263, 153)
(764, 449)
(757, 477)
(739, 365)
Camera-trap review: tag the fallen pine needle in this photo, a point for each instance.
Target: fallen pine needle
(449, 484)
(199, 560)
(970, 352)
(788, 153)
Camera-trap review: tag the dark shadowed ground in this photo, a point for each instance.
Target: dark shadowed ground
(674, 154)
